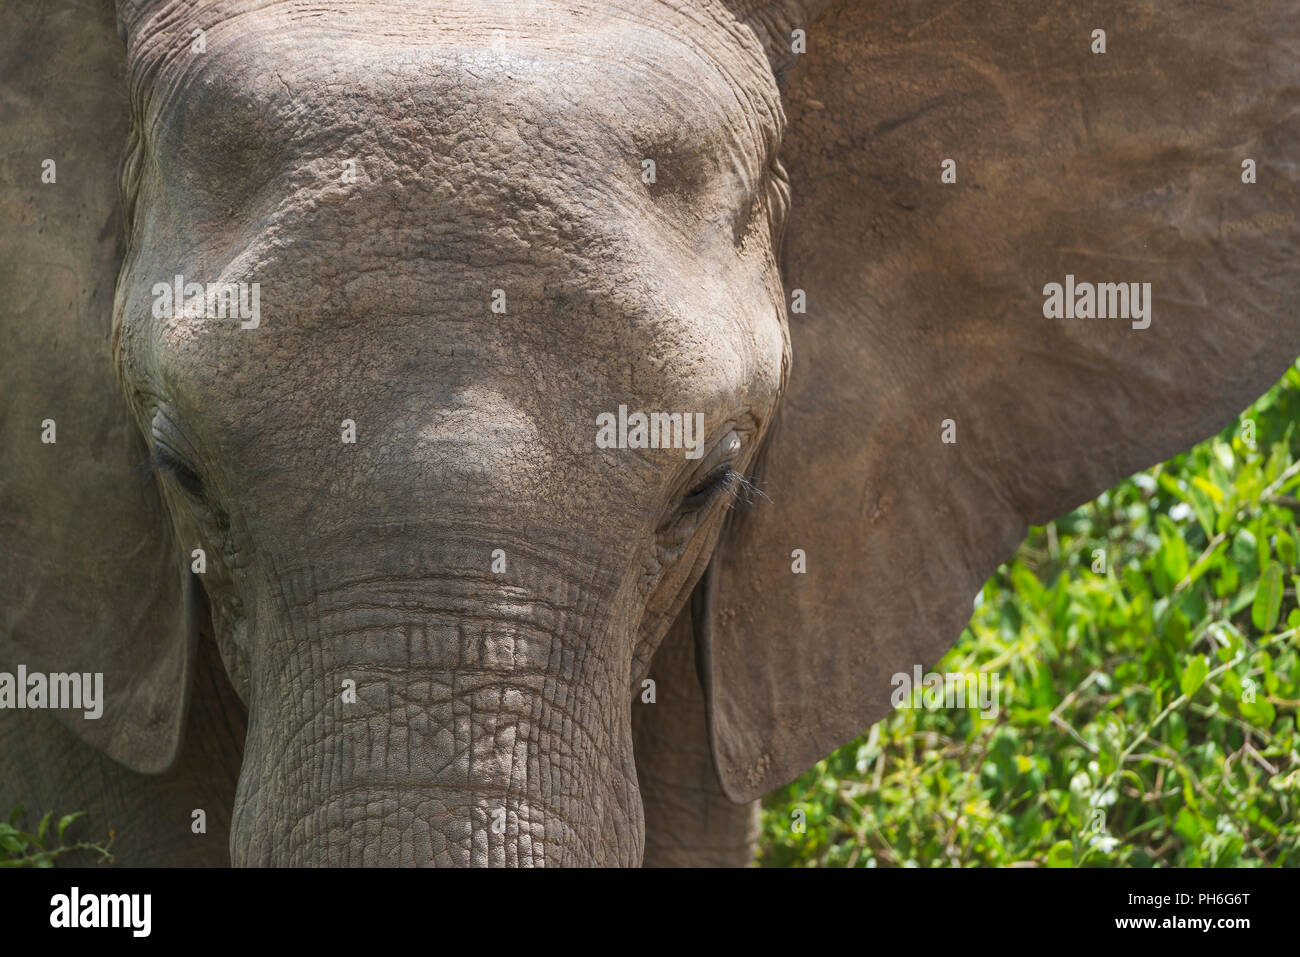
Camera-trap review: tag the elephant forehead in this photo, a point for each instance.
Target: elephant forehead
(387, 160)
(452, 79)
(466, 177)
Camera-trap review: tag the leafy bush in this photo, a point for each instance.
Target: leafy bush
(18, 848)
(1147, 650)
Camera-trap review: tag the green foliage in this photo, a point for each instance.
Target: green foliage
(18, 848)
(1149, 706)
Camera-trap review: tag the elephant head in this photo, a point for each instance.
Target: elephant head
(354, 307)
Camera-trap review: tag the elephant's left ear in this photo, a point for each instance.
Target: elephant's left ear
(949, 164)
(91, 582)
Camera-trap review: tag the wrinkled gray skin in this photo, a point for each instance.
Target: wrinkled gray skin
(499, 146)
(480, 165)
(475, 691)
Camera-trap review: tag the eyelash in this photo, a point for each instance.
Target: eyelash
(724, 479)
(186, 478)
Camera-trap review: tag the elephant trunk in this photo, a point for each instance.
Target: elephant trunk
(452, 722)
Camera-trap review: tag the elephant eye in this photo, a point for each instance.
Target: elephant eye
(720, 474)
(716, 481)
(165, 460)
(167, 438)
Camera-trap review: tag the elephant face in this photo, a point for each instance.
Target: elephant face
(498, 277)
(436, 286)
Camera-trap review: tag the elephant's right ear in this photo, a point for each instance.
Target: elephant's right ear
(90, 579)
(948, 163)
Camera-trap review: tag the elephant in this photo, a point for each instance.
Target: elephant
(526, 432)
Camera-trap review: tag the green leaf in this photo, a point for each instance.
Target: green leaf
(1259, 712)
(1213, 491)
(1268, 598)
(1205, 513)
(1187, 825)
(1173, 551)
(1193, 676)
(1205, 562)
(44, 828)
(1061, 855)
(65, 821)
(1285, 546)
(1177, 730)
(1244, 597)
(1243, 550)
(14, 845)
